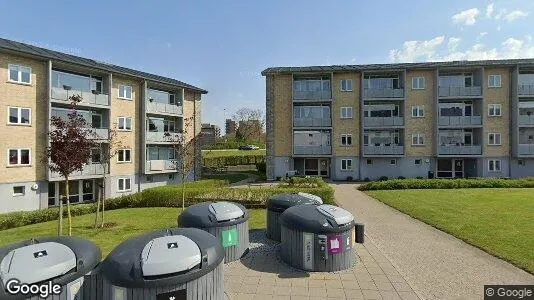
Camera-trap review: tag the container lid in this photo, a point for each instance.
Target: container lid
(37, 262)
(281, 202)
(169, 254)
(340, 216)
(312, 197)
(225, 211)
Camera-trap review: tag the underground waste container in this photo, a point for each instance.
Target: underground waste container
(277, 204)
(226, 220)
(48, 267)
(178, 263)
(317, 238)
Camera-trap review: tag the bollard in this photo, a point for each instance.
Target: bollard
(359, 228)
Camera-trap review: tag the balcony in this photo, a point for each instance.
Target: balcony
(101, 133)
(312, 95)
(163, 108)
(88, 98)
(526, 149)
(89, 170)
(459, 150)
(526, 120)
(312, 122)
(383, 150)
(312, 150)
(159, 137)
(160, 166)
(526, 90)
(383, 121)
(459, 121)
(384, 93)
(460, 91)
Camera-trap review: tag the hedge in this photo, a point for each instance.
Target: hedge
(169, 196)
(233, 160)
(403, 184)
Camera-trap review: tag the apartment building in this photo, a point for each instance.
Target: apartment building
(439, 119)
(36, 83)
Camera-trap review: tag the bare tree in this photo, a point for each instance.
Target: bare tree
(70, 146)
(114, 144)
(250, 123)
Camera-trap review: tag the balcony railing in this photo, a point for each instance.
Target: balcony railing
(160, 165)
(526, 90)
(526, 120)
(101, 133)
(383, 150)
(369, 93)
(312, 150)
(460, 120)
(459, 150)
(312, 95)
(312, 122)
(526, 149)
(88, 170)
(460, 91)
(383, 121)
(160, 137)
(87, 97)
(163, 108)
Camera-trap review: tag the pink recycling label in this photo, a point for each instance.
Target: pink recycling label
(335, 244)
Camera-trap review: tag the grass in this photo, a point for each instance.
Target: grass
(498, 221)
(230, 177)
(127, 223)
(231, 152)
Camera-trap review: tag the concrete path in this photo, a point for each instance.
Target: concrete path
(436, 265)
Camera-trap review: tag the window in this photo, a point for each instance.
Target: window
(346, 139)
(346, 85)
(418, 83)
(149, 178)
(20, 74)
(84, 83)
(123, 155)
(125, 123)
(418, 139)
(18, 157)
(19, 115)
(494, 81)
(346, 164)
(521, 162)
(494, 139)
(494, 165)
(125, 92)
(418, 111)
(369, 161)
(18, 190)
(124, 184)
(393, 162)
(417, 162)
(494, 110)
(346, 112)
(171, 176)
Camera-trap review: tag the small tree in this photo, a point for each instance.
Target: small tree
(114, 144)
(70, 149)
(250, 124)
(183, 145)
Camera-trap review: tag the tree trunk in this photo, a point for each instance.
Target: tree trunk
(103, 200)
(97, 208)
(68, 205)
(183, 186)
(60, 222)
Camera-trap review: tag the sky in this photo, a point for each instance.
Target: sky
(222, 46)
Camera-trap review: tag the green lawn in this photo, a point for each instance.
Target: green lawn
(231, 177)
(231, 152)
(129, 222)
(499, 221)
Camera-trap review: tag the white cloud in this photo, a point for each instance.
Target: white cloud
(514, 15)
(482, 34)
(436, 50)
(466, 17)
(501, 13)
(489, 10)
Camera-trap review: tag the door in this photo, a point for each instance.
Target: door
(458, 168)
(324, 167)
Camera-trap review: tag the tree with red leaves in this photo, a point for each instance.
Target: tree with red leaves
(70, 143)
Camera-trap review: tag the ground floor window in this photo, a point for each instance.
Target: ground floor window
(346, 164)
(79, 191)
(494, 165)
(124, 184)
(450, 168)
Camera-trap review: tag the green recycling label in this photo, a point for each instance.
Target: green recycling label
(229, 238)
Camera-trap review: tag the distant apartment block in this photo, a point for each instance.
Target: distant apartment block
(209, 134)
(444, 119)
(36, 83)
(230, 127)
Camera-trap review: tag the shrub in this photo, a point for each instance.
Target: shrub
(383, 178)
(349, 178)
(401, 177)
(447, 184)
(419, 177)
(366, 179)
(233, 160)
(302, 182)
(261, 167)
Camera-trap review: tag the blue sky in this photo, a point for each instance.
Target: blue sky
(223, 46)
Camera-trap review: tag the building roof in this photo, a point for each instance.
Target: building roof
(86, 62)
(421, 65)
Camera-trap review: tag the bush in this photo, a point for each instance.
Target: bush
(366, 179)
(349, 178)
(302, 182)
(401, 177)
(383, 178)
(261, 167)
(447, 184)
(419, 177)
(232, 160)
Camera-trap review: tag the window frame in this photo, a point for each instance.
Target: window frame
(347, 108)
(19, 156)
(418, 135)
(494, 76)
(494, 106)
(420, 161)
(19, 74)
(124, 184)
(19, 118)
(346, 136)
(346, 89)
(495, 134)
(123, 97)
(124, 155)
(369, 162)
(393, 162)
(19, 194)
(419, 108)
(494, 161)
(416, 79)
(124, 129)
(346, 160)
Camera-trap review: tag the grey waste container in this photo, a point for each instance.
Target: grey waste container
(64, 261)
(226, 220)
(178, 263)
(317, 238)
(277, 204)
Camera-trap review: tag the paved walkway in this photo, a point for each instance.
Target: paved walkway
(437, 265)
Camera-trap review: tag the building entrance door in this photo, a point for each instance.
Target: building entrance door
(458, 168)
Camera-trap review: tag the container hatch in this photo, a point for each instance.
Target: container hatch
(338, 214)
(225, 211)
(312, 197)
(37, 262)
(169, 254)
